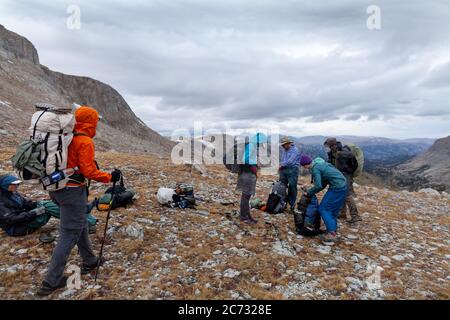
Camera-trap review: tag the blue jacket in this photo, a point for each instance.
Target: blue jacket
(324, 174)
(291, 157)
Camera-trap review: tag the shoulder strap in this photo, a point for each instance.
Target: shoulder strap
(77, 134)
(35, 124)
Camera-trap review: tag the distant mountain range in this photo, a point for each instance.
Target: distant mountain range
(381, 154)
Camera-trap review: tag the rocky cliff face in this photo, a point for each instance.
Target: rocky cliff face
(13, 46)
(428, 170)
(23, 82)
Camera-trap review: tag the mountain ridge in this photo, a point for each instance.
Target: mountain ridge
(428, 170)
(24, 82)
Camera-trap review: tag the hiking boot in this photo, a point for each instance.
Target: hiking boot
(355, 219)
(329, 238)
(249, 220)
(92, 229)
(47, 289)
(46, 238)
(88, 268)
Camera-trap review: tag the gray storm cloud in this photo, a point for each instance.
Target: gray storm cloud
(255, 61)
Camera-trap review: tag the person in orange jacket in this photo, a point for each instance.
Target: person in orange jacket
(72, 201)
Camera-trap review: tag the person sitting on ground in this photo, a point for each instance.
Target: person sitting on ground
(343, 159)
(20, 216)
(289, 169)
(248, 175)
(324, 174)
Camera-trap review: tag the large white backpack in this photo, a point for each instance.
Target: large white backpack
(52, 131)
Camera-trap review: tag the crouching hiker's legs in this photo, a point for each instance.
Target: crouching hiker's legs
(330, 207)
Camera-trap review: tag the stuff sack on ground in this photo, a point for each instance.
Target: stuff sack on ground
(181, 197)
(164, 195)
(257, 203)
(276, 203)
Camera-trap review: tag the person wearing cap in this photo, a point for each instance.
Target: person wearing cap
(289, 169)
(324, 174)
(343, 159)
(18, 215)
(72, 202)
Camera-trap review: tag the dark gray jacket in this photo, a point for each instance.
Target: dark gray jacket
(15, 211)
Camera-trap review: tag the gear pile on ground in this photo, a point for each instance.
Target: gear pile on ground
(399, 251)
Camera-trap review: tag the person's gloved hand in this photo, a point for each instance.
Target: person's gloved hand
(254, 169)
(39, 211)
(116, 175)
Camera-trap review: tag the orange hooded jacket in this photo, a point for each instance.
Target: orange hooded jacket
(81, 151)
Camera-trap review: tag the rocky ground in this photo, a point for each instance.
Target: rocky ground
(400, 250)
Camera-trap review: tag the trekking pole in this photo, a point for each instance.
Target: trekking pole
(106, 228)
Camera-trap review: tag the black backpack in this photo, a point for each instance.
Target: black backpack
(346, 160)
(184, 197)
(299, 218)
(122, 198)
(276, 203)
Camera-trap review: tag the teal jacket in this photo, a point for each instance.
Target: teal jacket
(324, 174)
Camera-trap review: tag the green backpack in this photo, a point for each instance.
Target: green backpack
(26, 160)
(359, 155)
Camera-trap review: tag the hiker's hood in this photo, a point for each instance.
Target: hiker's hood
(5, 181)
(86, 121)
(317, 161)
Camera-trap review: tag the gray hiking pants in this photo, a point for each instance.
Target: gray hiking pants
(247, 185)
(73, 231)
(245, 206)
(349, 200)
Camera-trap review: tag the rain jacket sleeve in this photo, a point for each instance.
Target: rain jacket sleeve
(87, 166)
(317, 178)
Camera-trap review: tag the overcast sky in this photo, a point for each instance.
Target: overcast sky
(310, 67)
